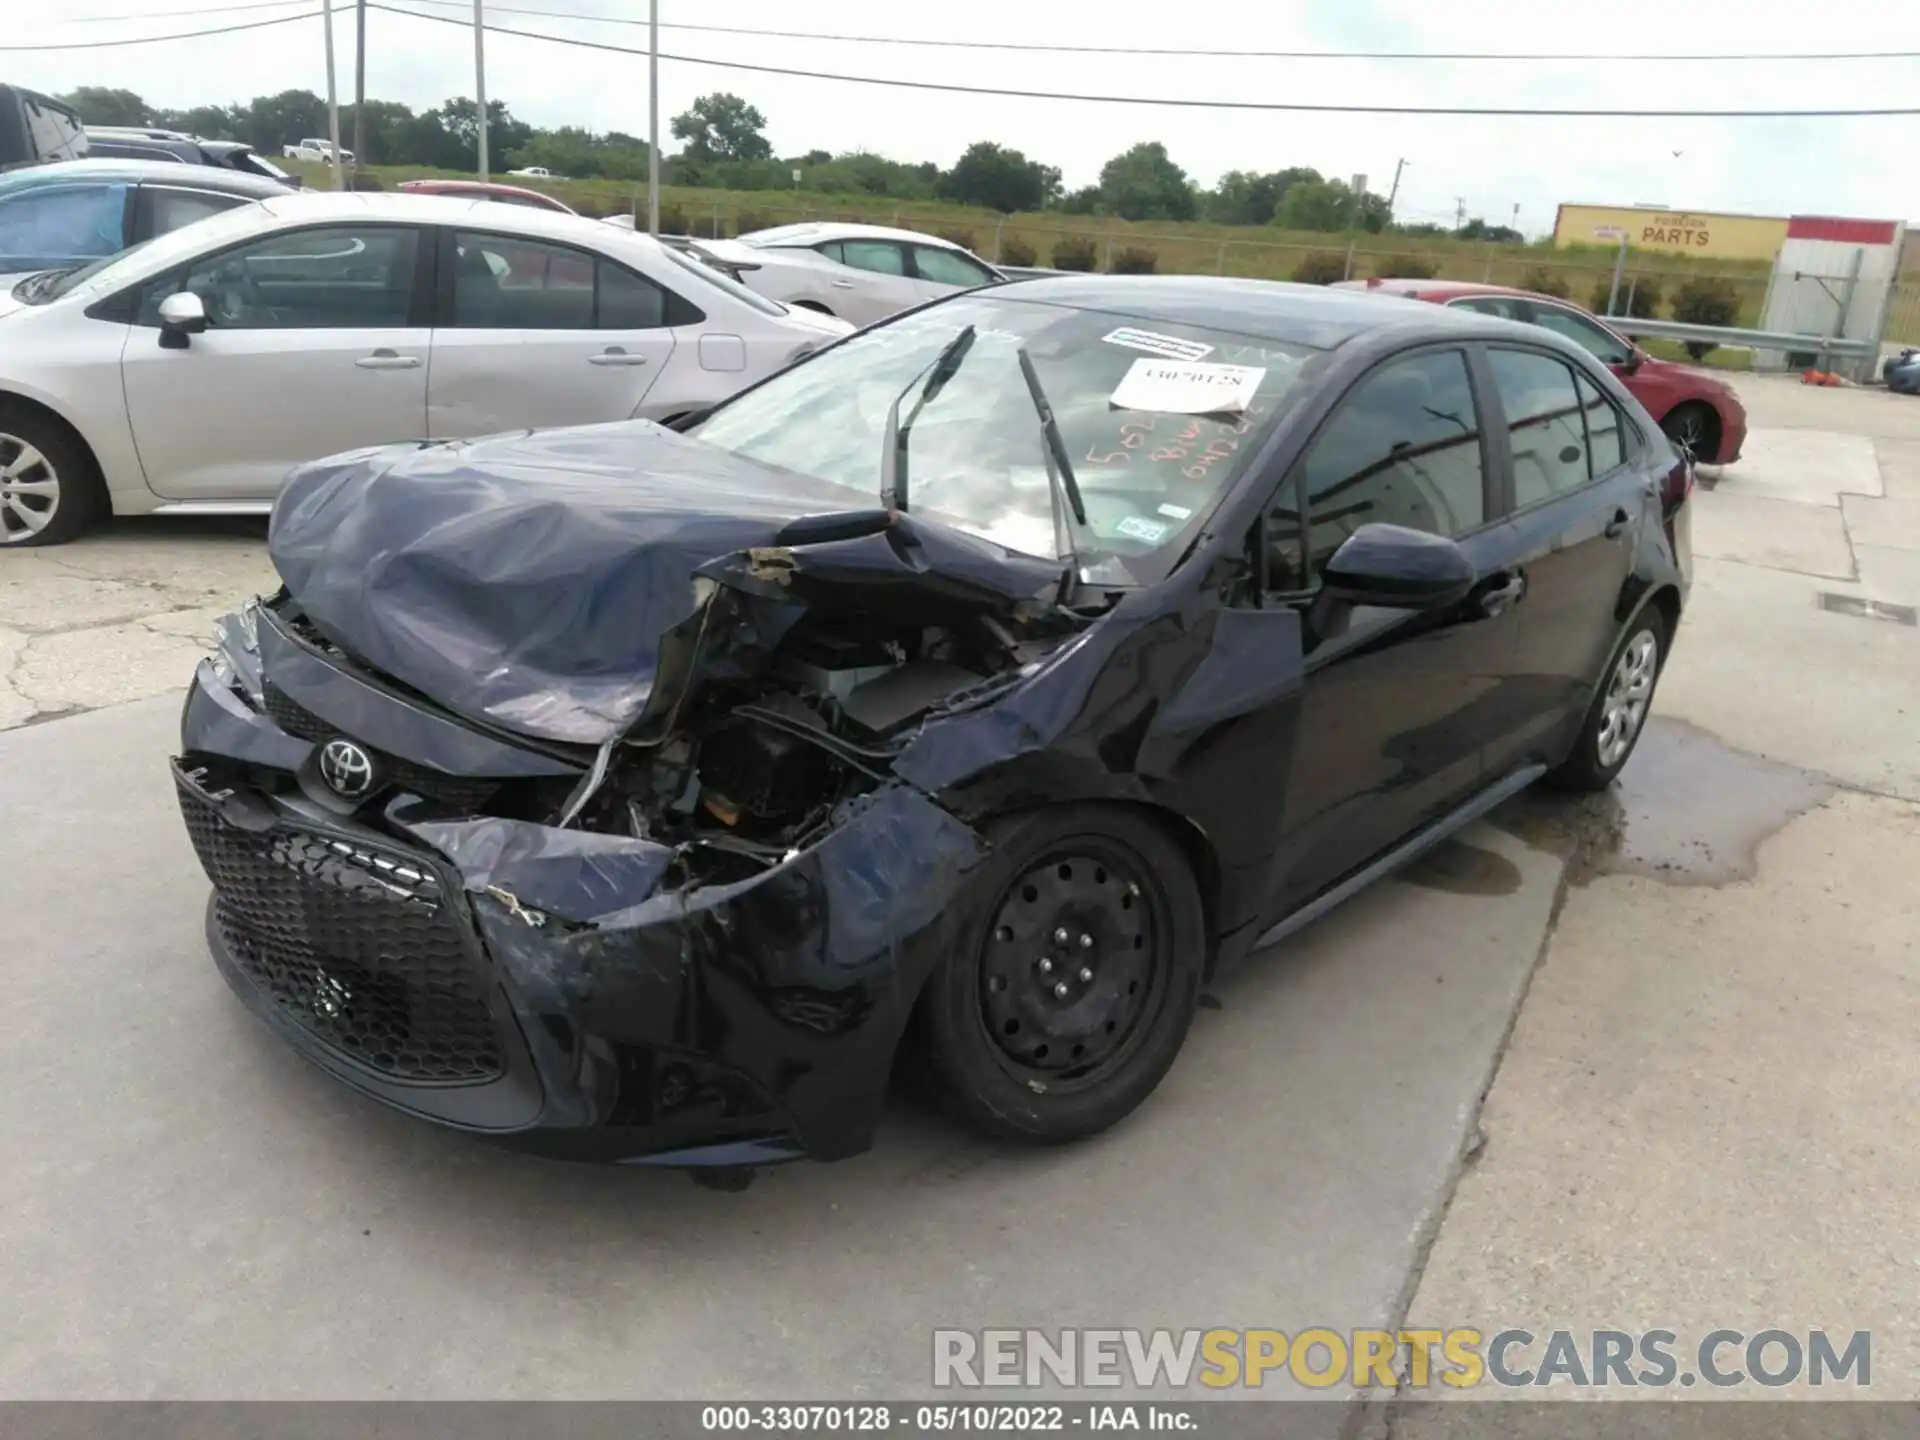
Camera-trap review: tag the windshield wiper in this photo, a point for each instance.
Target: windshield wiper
(893, 453)
(1059, 468)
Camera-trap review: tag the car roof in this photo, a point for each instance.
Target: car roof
(134, 172)
(1318, 317)
(424, 208)
(1435, 289)
(811, 231)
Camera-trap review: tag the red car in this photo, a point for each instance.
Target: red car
(1697, 410)
(487, 190)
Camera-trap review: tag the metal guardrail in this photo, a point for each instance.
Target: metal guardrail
(1754, 339)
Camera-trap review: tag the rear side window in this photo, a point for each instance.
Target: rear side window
(503, 282)
(1606, 432)
(165, 209)
(876, 255)
(1544, 422)
(1402, 449)
(70, 222)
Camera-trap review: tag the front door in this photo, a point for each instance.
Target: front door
(534, 334)
(308, 352)
(1397, 709)
(1579, 502)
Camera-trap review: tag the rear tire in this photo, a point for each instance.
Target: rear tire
(1080, 953)
(50, 489)
(1618, 715)
(1694, 430)
(813, 305)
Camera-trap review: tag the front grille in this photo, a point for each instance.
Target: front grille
(458, 791)
(355, 943)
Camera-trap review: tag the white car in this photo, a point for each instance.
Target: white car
(321, 150)
(538, 172)
(863, 273)
(189, 374)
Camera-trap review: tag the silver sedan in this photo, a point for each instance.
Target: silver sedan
(191, 373)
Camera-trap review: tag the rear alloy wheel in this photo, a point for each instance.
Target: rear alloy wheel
(1082, 951)
(1694, 430)
(48, 489)
(1619, 712)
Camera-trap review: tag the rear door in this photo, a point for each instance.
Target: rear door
(532, 333)
(1579, 497)
(317, 342)
(870, 282)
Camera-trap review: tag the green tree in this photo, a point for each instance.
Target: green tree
(1478, 229)
(722, 127)
(996, 178)
(1084, 201)
(1329, 205)
(459, 119)
(581, 154)
(99, 105)
(1143, 184)
(271, 121)
(209, 122)
(1245, 197)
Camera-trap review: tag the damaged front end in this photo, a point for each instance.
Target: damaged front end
(543, 823)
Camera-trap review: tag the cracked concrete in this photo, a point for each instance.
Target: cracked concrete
(120, 615)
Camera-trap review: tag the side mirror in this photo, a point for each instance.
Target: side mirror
(1401, 569)
(181, 315)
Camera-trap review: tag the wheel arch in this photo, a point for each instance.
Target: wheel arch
(814, 305)
(19, 402)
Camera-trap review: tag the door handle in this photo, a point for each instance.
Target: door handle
(614, 355)
(843, 284)
(1617, 526)
(384, 359)
(1507, 590)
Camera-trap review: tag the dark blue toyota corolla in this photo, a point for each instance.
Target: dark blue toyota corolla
(963, 697)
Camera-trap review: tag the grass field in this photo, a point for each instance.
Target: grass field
(1199, 247)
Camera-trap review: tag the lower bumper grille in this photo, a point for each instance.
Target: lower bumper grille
(355, 943)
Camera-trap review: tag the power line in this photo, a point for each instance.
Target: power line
(1175, 103)
(1047, 49)
(197, 10)
(185, 35)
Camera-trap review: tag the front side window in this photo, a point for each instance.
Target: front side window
(74, 220)
(332, 277)
(975, 456)
(1595, 339)
(945, 267)
(876, 255)
(1544, 422)
(1402, 449)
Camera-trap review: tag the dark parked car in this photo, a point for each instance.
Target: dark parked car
(36, 128)
(967, 694)
(56, 216)
(1698, 411)
(171, 146)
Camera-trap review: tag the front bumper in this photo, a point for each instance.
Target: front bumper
(541, 986)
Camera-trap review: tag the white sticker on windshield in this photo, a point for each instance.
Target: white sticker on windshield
(1172, 347)
(1138, 527)
(1179, 388)
(1176, 512)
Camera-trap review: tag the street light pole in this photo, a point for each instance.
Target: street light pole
(333, 100)
(653, 117)
(359, 87)
(480, 79)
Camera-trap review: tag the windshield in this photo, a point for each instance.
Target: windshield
(50, 285)
(149, 257)
(720, 280)
(1120, 388)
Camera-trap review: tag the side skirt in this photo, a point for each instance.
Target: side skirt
(1410, 849)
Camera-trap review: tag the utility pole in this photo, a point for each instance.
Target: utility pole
(359, 88)
(1459, 212)
(1392, 195)
(653, 117)
(480, 78)
(1514, 224)
(333, 99)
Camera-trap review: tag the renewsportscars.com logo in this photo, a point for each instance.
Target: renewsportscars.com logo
(1320, 1358)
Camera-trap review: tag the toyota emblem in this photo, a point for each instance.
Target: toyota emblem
(347, 769)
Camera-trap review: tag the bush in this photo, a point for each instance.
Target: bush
(1015, 251)
(748, 221)
(1075, 252)
(360, 180)
(1543, 281)
(1639, 295)
(1706, 300)
(1135, 261)
(673, 220)
(1321, 267)
(1405, 267)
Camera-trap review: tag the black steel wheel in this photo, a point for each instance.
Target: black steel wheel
(1083, 945)
(1694, 430)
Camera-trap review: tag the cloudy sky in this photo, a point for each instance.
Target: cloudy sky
(1851, 166)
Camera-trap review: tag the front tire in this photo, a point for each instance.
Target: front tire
(1694, 430)
(1618, 715)
(1080, 954)
(50, 490)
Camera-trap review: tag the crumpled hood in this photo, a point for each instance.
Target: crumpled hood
(532, 580)
(525, 579)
